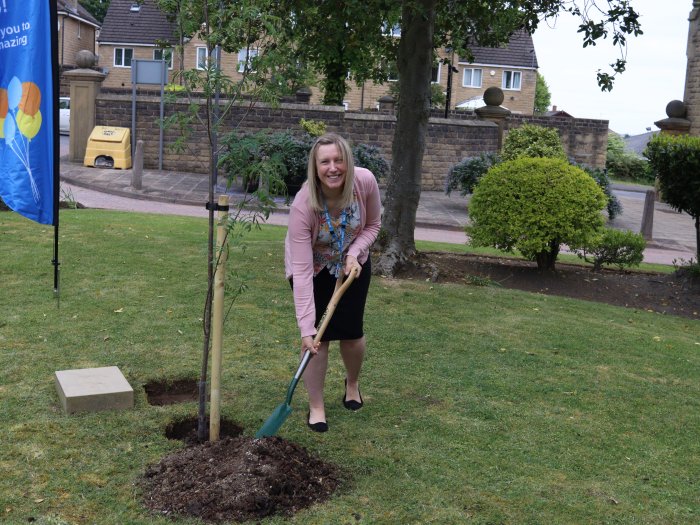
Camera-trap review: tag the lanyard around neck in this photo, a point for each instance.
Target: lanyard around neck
(339, 239)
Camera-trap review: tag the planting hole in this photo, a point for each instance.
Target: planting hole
(186, 430)
(160, 393)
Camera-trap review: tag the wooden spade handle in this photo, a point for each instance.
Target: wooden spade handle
(335, 299)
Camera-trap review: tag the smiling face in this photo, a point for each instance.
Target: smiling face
(331, 169)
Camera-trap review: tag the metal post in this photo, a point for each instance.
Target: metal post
(648, 215)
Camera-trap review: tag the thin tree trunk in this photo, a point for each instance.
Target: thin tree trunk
(415, 60)
(546, 259)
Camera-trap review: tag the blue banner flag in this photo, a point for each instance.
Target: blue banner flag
(27, 109)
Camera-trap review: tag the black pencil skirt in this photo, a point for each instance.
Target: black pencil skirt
(347, 321)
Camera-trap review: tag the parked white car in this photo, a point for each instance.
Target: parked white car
(64, 115)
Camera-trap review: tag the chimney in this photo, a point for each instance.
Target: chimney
(554, 108)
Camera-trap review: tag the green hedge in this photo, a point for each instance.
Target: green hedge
(676, 162)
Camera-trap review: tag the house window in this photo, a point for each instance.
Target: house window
(123, 56)
(435, 78)
(511, 80)
(245, 58)
(393, 72)
(164, 54)
(202, 57)
(471, 78)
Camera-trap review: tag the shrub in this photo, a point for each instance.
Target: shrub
(245, 158)
(676, 162)
(370, 157)
(283, 155)
(294, 153)
(315, 128)
(530, 140)
(614, 206)
(464, 175)
(687, 268)
(619, 248)
(534, 206)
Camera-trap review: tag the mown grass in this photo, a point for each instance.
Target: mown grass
(483, 404)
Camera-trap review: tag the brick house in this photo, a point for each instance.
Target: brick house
(77, 31)
(134, 31)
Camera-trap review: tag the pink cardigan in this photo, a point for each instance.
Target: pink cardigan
(304, 224)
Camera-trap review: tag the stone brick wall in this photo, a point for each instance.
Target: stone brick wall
(448, 140)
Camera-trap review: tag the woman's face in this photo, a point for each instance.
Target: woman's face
(330, 169)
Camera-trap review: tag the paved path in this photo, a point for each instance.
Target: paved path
(439, 217)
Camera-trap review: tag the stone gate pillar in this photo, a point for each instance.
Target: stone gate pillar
(493, 111)
(84, 88)
(691, 95)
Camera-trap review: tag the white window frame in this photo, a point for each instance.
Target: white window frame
(197, 61)
(244, 58)
(471, 83)
(123, 53)
(513, 76)
(169, 56)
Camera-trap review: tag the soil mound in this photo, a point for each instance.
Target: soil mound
(238, 479)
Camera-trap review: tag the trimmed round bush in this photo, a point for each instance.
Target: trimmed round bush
(530, 140)
(534, 205)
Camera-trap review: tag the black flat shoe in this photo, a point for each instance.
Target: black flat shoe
(321, 426)
(352, 404)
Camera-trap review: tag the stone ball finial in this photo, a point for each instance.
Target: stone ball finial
(493, 96)
(85, 59)
(676, 109)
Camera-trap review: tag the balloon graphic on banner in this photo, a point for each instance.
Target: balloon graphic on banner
(21, 118)
(3, 111)
(29, 125)
(28, 115)
(14, 93)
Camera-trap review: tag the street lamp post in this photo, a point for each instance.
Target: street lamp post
(450, 69)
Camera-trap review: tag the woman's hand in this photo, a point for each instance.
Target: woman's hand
(350, 263)
(307, 343)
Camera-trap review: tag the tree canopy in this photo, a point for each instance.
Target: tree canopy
(543, 97)
(359, 39)
(97, 8)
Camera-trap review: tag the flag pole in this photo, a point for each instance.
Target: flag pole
(56, 143)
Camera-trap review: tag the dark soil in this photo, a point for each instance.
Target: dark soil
(238, 479)
(672, 294)
(161, 393)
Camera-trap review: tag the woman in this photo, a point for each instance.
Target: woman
(333, 221)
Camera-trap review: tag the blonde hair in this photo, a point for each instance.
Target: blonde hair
(315, 196)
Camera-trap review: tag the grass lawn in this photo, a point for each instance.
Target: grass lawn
(483, 404)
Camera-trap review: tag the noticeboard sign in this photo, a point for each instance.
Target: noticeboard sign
(149, 72)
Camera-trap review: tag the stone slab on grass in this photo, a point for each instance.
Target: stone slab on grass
(93, 390)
